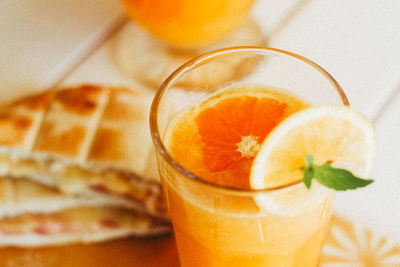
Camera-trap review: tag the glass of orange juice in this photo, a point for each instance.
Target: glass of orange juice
(163, 34)
(189, 23)
(206, 138)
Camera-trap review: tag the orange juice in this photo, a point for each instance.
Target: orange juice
(189, 23)
(219, 226)
(211, 145)
(206, 237)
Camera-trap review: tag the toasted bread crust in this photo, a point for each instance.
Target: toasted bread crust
(83, 138)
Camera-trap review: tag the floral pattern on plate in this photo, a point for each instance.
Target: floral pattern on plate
(348, 245)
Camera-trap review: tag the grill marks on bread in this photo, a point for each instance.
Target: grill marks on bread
(70, 122)
(92, 123)
(90, 129)
(21, 120)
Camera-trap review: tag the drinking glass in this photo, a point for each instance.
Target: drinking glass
(216, 225)
(164, 34)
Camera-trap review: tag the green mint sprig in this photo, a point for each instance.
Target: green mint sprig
(335, 178)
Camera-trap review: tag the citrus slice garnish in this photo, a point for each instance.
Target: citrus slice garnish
(217, 140)
(336, 135)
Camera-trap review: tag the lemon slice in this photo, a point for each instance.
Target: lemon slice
(332, 134)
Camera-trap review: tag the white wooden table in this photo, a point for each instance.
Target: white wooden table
(46, 43)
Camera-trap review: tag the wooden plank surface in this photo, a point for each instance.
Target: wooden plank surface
(41, 40)
(357, 41)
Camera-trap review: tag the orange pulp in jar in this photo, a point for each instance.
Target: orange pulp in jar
(188, 23)
(217, 141)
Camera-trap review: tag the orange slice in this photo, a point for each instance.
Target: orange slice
(332, 134)
(218, 139)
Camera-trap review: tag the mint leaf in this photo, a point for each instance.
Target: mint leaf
(335, 178)
(308, 171)
(338, 179)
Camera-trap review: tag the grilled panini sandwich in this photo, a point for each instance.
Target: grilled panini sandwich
(86, 142)
(35, 215)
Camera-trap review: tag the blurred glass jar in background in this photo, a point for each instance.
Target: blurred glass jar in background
(164, 34)
(189, 23)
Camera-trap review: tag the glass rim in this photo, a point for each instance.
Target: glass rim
(201, 59)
